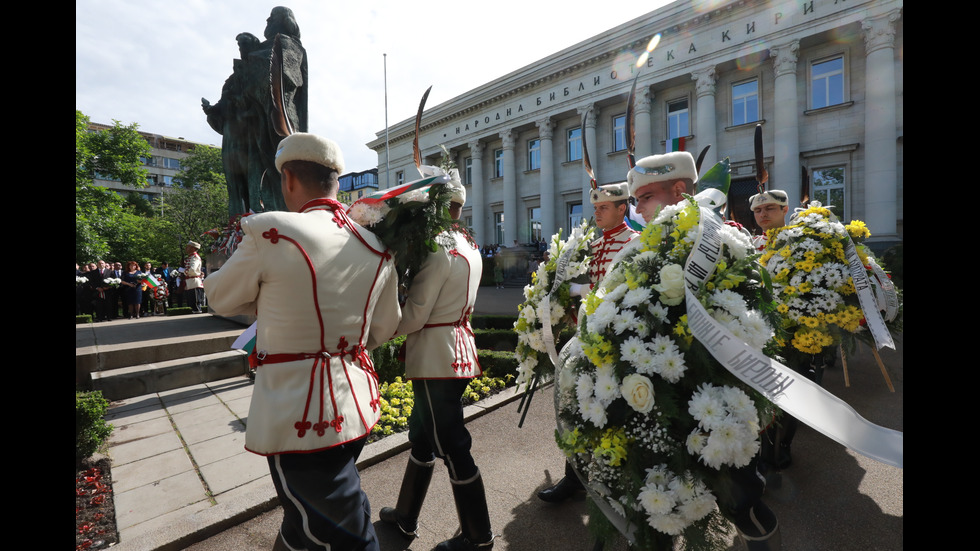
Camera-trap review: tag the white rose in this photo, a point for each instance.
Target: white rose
(671, 287)
(638, 392)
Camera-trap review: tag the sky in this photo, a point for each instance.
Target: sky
(150, 63)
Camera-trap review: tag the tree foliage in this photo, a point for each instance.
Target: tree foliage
(202, 166)
(200, 202)
(99, 212)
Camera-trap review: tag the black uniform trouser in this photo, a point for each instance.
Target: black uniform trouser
(436, 427)
(323, 504)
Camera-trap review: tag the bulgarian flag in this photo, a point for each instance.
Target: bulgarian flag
(246, 342)
(151, 281)
(676, 144)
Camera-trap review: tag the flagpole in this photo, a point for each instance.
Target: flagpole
(387, 170)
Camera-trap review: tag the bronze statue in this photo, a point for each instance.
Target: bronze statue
(242, 115)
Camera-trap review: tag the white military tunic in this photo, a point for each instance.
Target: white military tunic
(192, 272)
(606, 247)
(325, 292)
(436, 313)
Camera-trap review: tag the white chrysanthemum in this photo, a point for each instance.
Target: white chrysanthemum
(636, 297)
(584, 388)
(415, 196)
(625, 321)
(668, 212)
(631, 349)
(594, 412)
(658, 311)
(704, 407)
(656, 500)
(695, 442)
(604, 314)
(529, 314)
(729, 300)
(672, 366)
(737, 243)
(757, 330)
(368, 215)
(607, 388)
(672, 524)
(616, 294)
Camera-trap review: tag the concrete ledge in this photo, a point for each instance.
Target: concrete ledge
(128, 382)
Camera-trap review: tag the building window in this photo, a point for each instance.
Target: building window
(828, 188)
(468, 222)
(534, 224)
(533, 154)
(678, 122)
(498, 163)
(827, 82)
(399, 177)
(575, 144)
(171, 163)
(619, 133)
(745, 102)
(468, 171)
(574, 216)
(168, 181)
(498, 226)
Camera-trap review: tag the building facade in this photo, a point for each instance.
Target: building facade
(822, 77)
(162, 165)
(359, 184)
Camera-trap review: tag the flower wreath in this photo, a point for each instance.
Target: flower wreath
(226, 239)
(813, 279)
(646, 414)
(548, 297)
(409, 218)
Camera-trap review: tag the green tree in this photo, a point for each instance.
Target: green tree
(202, 166)
(200, 202)
(113, 153)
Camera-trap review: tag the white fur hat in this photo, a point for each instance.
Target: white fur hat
(194, 244)
(668, 167)
(610, 192)
(774, 196)
(310, 147)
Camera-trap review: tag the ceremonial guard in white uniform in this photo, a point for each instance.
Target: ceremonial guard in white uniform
(611, 203)
(325, 293)
(440, 360)
(769, 209)
(194, 277)
(658, 181)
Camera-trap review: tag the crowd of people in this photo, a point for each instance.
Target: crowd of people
(114, 290)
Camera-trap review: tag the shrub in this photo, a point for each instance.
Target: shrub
(179, 311)
(495, 339)
(83, 318)
(387, 363)
(91, 429)
(493, 322)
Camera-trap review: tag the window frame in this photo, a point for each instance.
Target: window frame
(743, 108)
(619, 132)
(573, 143)
(825, 81)
(823, 195)
(687, 118)
(534, 154)
(498, 163)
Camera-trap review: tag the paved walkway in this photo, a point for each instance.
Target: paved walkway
(182, 478)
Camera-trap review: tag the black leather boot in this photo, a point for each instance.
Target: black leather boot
(415, 484)
(566, 487)
(474, 517)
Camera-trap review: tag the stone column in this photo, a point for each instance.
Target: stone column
(785, 170)
(880, 128)
(644, 127)
(707, 133)
(477, 201)
(588, 134)
(509, 137)
(547, 177)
